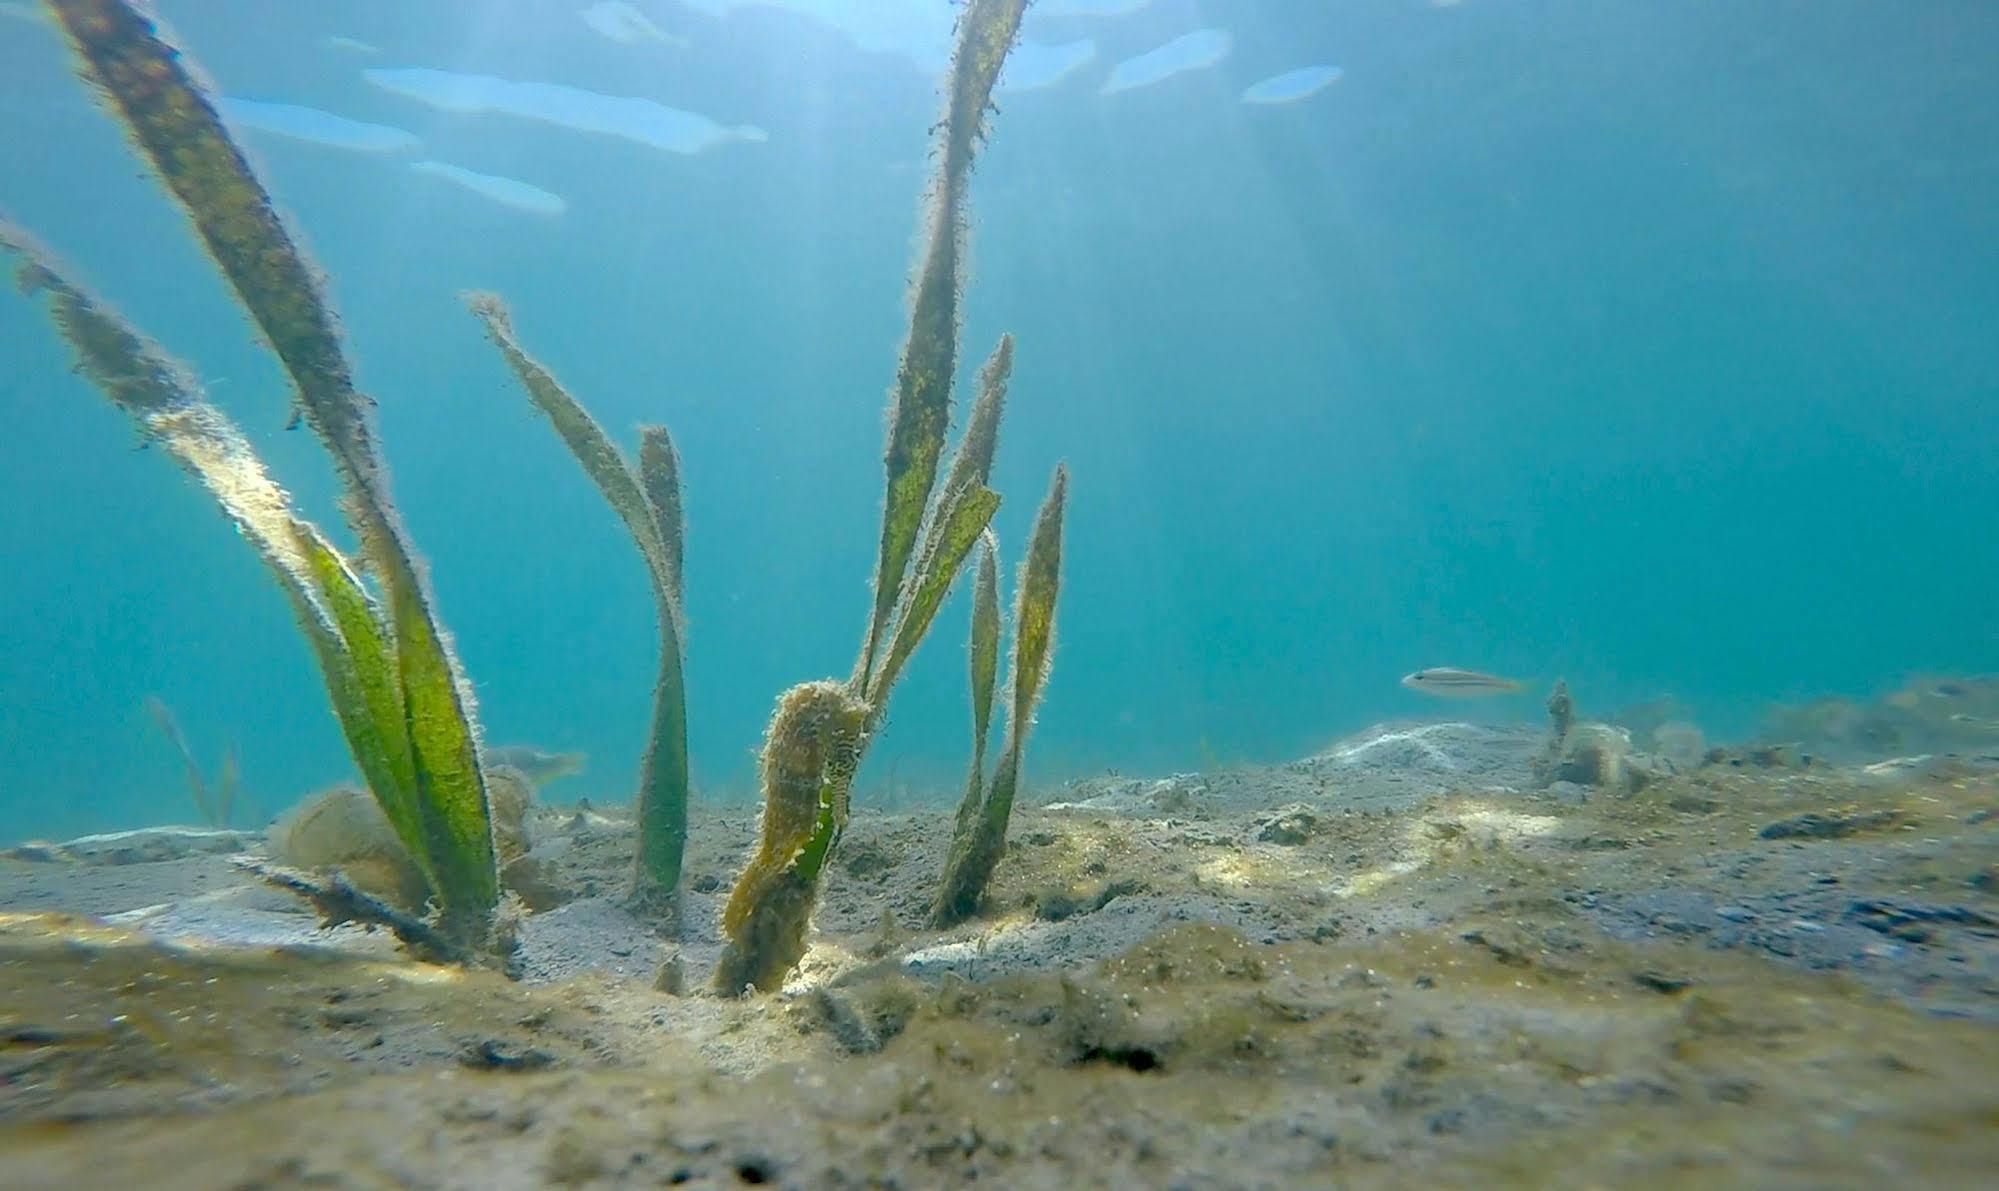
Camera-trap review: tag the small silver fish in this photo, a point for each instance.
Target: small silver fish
(538, 766)
(1460, 684)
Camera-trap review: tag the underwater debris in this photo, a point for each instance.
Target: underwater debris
(217, 808)
(980, 834)
(394, 681)
(822, 729)
(648, 501)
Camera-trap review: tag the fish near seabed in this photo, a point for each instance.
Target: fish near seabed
(1450, 683)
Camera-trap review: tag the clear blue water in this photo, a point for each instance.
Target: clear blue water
(1646, 344)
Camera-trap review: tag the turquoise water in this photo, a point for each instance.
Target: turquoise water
(1643, 344)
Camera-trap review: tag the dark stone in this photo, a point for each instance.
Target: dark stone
(492, 1054)
(1507, 951)
(1917, 922)
(1662, 982)
(1817, 826)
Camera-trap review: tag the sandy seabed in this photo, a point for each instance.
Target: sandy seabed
(1393, 964)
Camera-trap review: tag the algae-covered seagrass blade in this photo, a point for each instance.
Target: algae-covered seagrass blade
(1033, 650)
(1033, 647)
(649, 504)
(338, 619)
(659, 475)
(594, 451)
(664, 785)
(771, 906)
(1034, 608)
(983, 665)
(920, 409)
(156, 92)
(981, 838)
(964, 508)
(166, 107)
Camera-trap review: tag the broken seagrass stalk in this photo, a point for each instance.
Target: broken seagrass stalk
(821, 730)
(395, 684)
